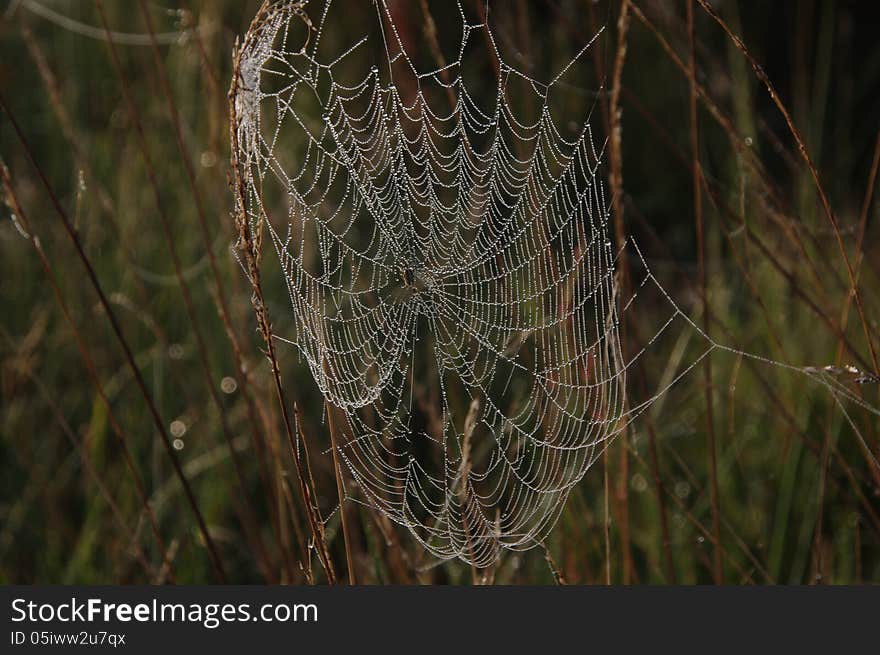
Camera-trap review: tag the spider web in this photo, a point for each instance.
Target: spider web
(450, 270)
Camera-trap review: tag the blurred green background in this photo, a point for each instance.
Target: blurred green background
(798, 484)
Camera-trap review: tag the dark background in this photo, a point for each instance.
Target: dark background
(798, 486)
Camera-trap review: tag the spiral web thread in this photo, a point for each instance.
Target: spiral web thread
(450, 273)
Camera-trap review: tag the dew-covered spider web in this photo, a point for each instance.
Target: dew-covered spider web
(445, 240)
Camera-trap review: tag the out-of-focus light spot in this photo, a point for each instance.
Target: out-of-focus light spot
(228, 385)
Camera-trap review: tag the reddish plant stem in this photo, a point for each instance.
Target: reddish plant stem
(213, 553)
(717, 564)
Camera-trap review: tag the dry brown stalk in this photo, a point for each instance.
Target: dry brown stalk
(249, 245)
